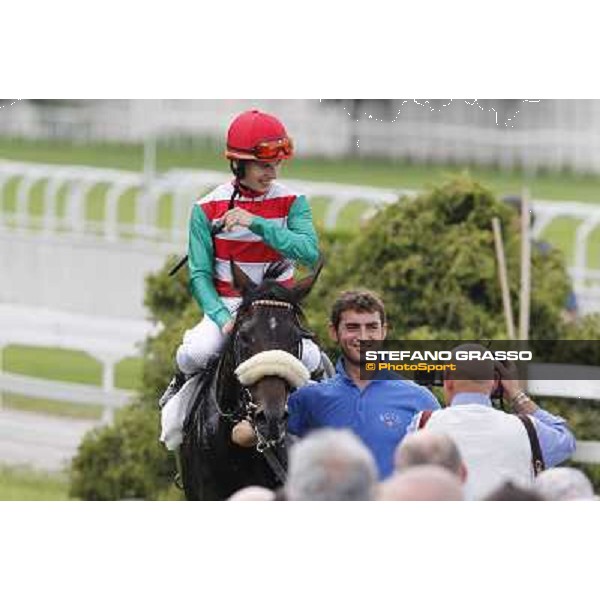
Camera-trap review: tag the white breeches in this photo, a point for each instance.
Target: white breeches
(205, 341)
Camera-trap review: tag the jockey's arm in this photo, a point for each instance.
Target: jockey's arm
(298, 241)
(201, 265)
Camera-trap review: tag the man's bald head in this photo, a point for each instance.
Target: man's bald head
(429, 448)
(422, 483)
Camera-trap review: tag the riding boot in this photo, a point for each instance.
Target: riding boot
(174, 386)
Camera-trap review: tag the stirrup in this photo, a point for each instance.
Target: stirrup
(178, 478)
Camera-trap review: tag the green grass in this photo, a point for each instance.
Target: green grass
(375, 172)
(52, 407)
(128, 374)
(71, 366)
(25, 484)
(53, 363)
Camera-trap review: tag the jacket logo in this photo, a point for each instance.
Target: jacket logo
(390, 419)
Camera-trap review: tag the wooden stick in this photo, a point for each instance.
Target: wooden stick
(525, 296)
(503, 277)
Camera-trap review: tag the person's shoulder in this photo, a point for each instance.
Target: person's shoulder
(414, 389)
(403, 383)
(221, 192)
(315, 389)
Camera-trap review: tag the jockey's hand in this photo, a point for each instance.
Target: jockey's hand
(228, 327)
(235, 217)
(243, 435)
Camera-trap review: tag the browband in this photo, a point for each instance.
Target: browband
(272, 303)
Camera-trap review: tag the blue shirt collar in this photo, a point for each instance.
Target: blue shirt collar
(341, 371)
(471, 398)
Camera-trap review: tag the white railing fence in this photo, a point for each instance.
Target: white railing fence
(31, 387)
(584, 384)
(107, 340)
(73, 188)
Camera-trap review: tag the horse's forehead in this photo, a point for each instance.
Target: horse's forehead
(272, 319)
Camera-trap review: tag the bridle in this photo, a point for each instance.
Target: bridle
(237, 351)
(248, 408)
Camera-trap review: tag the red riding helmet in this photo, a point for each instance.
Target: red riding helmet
(255, 135)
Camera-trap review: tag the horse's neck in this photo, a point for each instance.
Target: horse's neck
(227, 389)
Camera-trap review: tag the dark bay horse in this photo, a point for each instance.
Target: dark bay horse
(269, 320)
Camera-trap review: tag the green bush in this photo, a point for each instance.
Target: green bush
(433, 262)
(123, 460)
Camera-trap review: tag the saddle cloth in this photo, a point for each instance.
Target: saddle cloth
(174, 413)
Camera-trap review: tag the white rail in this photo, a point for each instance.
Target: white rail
(73, 393)
(577, 381)
(578, 387)
(183, 186)
(107, 340)
(587, 452)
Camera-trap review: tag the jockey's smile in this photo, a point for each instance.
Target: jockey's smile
(259, 175)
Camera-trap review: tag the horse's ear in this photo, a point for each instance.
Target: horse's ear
(241, 281)
(277, 269)
(303, 287)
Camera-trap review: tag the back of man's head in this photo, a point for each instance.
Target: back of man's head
(564, 483)
(426, 482)
(331, 465)
(470, 375)
(429, 448)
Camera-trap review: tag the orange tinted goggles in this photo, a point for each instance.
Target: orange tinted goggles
(274, 149)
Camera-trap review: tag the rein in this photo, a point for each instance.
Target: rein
(215, 229)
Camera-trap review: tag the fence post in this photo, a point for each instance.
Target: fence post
(525, 292)
(108, 386)
(1, 371)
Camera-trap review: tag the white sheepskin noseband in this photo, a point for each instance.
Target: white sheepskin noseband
(273, 362)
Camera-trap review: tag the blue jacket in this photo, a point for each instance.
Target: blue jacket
(378, 414)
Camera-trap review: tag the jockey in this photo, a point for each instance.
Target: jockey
(255, 221)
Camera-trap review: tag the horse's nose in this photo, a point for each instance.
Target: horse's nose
(271, 427)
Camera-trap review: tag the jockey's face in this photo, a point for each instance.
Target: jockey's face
(259, 175)
(356, 326)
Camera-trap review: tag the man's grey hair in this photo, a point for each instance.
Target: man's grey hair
(564, 483)
(331, 465)
(428, 448)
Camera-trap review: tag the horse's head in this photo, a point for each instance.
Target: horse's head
(267, 344)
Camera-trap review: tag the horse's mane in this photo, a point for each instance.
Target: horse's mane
(271, 289)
